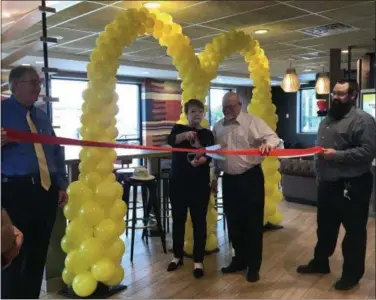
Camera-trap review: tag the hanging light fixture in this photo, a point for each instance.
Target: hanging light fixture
(290, 82)
(322, 86)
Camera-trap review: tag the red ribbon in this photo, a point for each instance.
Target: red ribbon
(14, 135)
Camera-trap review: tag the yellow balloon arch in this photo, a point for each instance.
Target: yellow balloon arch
(95, 209)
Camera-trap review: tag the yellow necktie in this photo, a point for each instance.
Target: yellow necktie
(42, 161)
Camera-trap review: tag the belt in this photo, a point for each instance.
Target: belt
(20, 179)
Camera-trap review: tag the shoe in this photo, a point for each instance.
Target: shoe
(252, 276)
(314, 267)
(234, 267)
(172, 266)
(344, 284)
(198, 273)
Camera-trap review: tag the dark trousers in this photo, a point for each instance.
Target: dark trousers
(33, 211)
(243, 203)
(192, 194)
(352, 211)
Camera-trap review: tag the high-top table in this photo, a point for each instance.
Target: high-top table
(55, 258)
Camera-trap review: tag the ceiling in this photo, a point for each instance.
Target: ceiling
(287, 42)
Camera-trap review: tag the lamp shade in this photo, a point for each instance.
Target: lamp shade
(290, 82)
(322, 84)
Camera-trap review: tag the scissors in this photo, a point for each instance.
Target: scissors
(191, 156)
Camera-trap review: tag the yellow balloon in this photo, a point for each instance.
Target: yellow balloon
(117, 277)
(106, 193)
(68, 277)
(211, 243)
(116, 251)
(276, 218)
(120, 226)
(111, 178)
(103, 269)
(92, 213)
(90, 153)
(84, 284)
(105, 167)
(78, 192)
(92, 180)
(118, 210)
(106, 230)
(74, 263)
(188, 248)
(70, 211)
(78, 231)
(68, 244)
(119, 190)
(91, 250)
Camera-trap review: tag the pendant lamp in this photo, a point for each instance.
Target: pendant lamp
(322, 86)
(290, 82)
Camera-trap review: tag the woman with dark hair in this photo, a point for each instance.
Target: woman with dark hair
(190, 185)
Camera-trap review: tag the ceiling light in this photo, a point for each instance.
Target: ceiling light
(345, 51)
(39, 62)
(145, 72)
(307, 70)
(25, 64)
(290, 82)
(261, 31)
(151, 5)
(322, 86)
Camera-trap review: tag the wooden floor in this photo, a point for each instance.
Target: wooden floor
(283, 251)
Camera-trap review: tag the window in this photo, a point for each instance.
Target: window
(215, 105)
(309, 121)
(66, 113)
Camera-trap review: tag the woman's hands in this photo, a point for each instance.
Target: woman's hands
(198, 161)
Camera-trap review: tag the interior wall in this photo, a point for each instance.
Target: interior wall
(161, 107)
(287, 111)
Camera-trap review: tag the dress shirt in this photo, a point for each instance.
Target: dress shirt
(246, 131)
(354, 138)
(19, 159)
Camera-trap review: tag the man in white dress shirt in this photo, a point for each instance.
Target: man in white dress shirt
(243, 183)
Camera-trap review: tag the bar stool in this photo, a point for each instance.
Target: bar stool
(150, 203)
(219, 204)
(166, 209)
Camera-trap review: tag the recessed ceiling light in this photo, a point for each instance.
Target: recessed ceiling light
(261, 31)
(345, 51)
(39, 62)
(151, 4)
(25, 64)
(307, 70)
(145, 72)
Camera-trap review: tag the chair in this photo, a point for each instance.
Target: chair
(219, 204)
(148, 188)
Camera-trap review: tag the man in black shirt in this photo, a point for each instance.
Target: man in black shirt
(190, 185)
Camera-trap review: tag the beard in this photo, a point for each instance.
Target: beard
(339, 109)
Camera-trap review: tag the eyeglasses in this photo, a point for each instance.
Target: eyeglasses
(338, 94)
(231, 107)
(34, 82)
